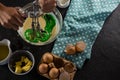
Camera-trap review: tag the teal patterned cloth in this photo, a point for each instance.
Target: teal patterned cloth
(83, 22)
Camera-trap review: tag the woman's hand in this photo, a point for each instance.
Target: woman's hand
(47, 5)
(10, 17)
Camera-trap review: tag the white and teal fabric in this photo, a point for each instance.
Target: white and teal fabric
(83, 22)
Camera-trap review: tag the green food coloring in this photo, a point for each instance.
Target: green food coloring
(45, 35)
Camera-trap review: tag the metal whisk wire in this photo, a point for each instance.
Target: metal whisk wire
(35, 14)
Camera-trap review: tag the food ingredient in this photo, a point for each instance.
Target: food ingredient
(43, 68)
(58, 69)
(44, 35)
(80, 46)
(47, 58)
(73, 49)
(53, 73)
(64, 76)
(18, 69)
(70, 49)
(69, 67)
(23, 65)
(4, 51)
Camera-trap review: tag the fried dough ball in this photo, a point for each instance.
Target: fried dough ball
(43, 68)
(69, 67)
(64, 76)
(80, 46)
(70, 49)
(54, 73)
(47, 58)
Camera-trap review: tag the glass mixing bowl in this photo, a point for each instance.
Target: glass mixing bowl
(43, 22)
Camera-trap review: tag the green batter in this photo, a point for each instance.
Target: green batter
(46, 34)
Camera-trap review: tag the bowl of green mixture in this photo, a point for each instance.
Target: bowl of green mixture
(50, 27)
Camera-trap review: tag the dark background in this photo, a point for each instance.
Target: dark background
(105, 59)
(18, 44)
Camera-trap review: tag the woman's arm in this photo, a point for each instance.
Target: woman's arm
(10, 17)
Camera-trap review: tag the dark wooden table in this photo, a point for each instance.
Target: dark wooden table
(17, 43)
(103, 65)
(105, 59)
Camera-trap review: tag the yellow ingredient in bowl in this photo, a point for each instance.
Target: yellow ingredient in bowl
(23, 65)
(26, 60)
(18, 63)
(22, 58)
(18, 69)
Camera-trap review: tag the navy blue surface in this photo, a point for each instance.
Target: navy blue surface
(18, 44)
(105, 59)
(103, 65)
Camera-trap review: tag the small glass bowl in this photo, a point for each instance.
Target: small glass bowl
(16, 56)
(63, 3)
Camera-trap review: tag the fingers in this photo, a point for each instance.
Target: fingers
(10, 17)
(47, 5)
(11, 21)
(41, 2)
(49, 1)
(1, 22)
(12, 24)
(21, 12)
(18, 19)
(4, 18)
(49, 8)
(16, 22)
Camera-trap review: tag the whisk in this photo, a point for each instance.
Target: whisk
(36, 27)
